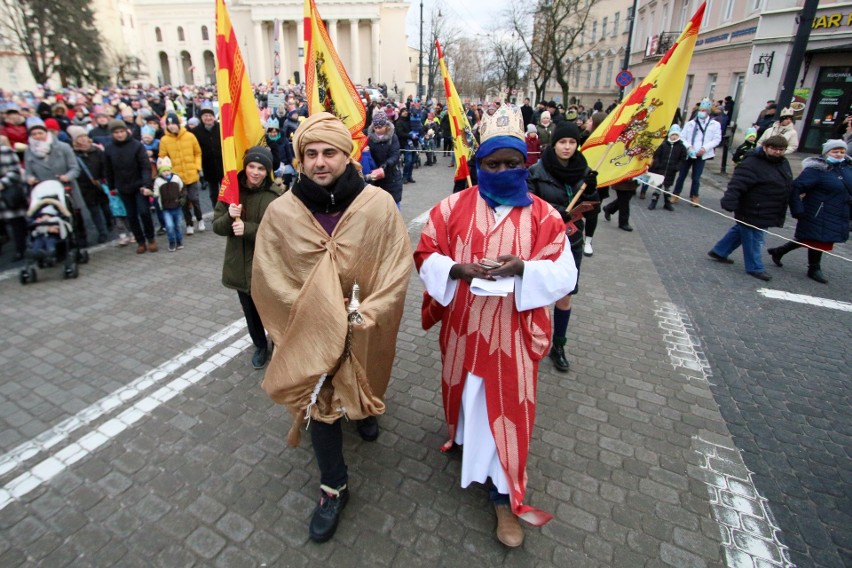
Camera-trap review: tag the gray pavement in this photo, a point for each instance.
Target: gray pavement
(134, 431)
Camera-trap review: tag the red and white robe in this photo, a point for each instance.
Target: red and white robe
(491, 345)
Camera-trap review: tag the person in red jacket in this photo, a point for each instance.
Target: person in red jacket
(14, 127)
(533, 146)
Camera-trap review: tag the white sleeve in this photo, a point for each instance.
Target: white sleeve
(435, 274)
(545, 281)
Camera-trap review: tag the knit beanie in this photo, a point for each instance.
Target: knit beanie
(831, 145)
(531, 129)
(35, 122)
(51, 124)
(674, 129)
(565, 129)
(172, 118)
(193, 122)
(75, 132)
(545, 114)
(163, 164)
(148, 131)
(260, 154)
(116, 124)
(380, 119)
(751, 133)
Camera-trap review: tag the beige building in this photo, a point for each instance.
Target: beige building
(742, 51)
(598, 56)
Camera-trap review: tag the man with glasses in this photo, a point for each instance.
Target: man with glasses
(784, 127)
(758, 195)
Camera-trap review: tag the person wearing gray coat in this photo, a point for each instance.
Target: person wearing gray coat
(46, 158)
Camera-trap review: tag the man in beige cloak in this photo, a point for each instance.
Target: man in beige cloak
(334, 349)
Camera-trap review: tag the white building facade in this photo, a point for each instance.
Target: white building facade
(178, 41)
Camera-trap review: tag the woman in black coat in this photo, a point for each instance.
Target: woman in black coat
(384, 148)
(820, 201)
(556, 178)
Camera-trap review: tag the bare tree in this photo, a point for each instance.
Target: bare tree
(444, 30)
(56, 38)
(548, 30)
(124, 66)
(467, 64)
(510, 59)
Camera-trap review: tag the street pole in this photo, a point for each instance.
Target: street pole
(626, 64)
(420, 77)
(797, 55)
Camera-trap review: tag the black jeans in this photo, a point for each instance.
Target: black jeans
(622, 205)
(327, 440)
(138, 208)
(255, 326)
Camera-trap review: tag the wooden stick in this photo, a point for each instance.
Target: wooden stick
(583, 187)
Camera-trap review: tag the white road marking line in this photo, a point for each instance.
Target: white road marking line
(803, 299)
(749, 532)
(49, 438)
(419, 220)
(53, 465)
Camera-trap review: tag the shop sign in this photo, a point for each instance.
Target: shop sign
(832, 21)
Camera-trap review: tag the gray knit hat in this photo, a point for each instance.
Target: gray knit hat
(831, 145)
(260, 154)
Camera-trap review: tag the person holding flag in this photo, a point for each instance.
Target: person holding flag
(239, 222)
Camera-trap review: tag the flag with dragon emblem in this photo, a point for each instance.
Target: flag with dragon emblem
(627, 138)
(327, 85)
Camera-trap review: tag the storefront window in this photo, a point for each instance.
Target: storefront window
(830, 103)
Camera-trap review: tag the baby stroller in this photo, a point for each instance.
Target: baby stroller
(53, 234)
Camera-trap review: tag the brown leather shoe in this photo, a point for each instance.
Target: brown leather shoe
(509, 529)
(140, 249)
(694, 200)
(674, 199)
(152, 246)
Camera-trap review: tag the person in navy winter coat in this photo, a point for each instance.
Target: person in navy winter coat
(820, 201)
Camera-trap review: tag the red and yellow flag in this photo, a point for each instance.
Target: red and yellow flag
(239, 118)
(464, 143)
(627, 138)
(327, 85)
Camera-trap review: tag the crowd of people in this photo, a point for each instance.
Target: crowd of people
(320, 257)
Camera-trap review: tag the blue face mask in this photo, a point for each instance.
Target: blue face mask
(833, 160)
(702, 114)
(274, 138)
(508, 187)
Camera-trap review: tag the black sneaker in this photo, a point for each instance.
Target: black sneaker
(761, 276)
(368, 429)
(327, 513)
(258, 360)
(719, 258)
(625, 227)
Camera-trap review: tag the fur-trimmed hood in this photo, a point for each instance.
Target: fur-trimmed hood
(819, 163)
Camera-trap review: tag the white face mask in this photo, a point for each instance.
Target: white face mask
(702, 114)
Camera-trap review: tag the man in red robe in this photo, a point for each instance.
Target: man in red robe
(493, 258)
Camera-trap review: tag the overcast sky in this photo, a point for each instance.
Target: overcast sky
(472, 15)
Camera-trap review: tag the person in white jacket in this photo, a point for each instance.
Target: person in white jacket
(701, 135)
(784, 127)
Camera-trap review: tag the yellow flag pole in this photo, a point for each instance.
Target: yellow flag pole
(583, 187)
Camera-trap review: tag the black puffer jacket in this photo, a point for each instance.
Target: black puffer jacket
(93, 193)
(211, 151)
(667, 161)
(127, 166)
(759, 190)
(545, 186)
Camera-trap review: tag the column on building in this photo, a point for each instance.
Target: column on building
(355, 71)
(300, 41)
(261, 72)
(332, 32)
(375, 50)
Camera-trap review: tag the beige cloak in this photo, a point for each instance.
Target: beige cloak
(300, 278)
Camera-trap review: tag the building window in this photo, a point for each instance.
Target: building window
(684, 14)
(159, 35)
(598, 69)
(603, 27)
(589, 75)
(131, 22)
(608, 77)
(594, 31)
(204, 35)
(711, 85)
(628, 19)
(615, 23)
(181, 37)
(756, 5)
(577, 69)
(706, 20)
(729, 10)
